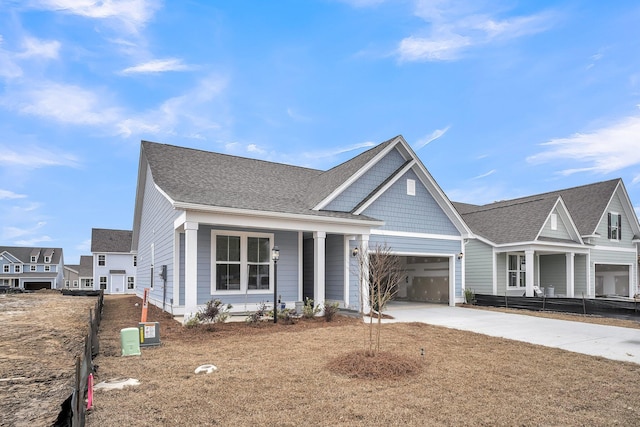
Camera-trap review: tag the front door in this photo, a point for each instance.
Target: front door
(117, 284)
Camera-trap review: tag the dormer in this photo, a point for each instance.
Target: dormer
(35, 254)
(48, 255)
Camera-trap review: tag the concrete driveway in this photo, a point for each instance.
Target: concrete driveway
(612, 342)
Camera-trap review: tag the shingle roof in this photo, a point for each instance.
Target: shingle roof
(24, 253)
(212, 179)
(106, 240)
(520, 220)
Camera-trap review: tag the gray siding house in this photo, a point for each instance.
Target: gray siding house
(31, 268)
(114, 263)
(79, 276)
(205, 224)
(575, 242)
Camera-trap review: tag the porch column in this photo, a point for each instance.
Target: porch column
(364, 274)
(570, 267)
(319, 238)
(190, 269)
(529, 269)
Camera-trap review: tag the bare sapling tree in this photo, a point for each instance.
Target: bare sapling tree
(385, 273)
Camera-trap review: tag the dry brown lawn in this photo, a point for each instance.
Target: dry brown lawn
(285, 375)
(41, 334)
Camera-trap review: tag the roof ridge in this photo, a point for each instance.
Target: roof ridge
(492, 206)
(230, 155)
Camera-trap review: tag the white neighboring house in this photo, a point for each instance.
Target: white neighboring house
(114, 264)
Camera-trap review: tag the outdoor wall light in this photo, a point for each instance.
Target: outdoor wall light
(275, 254)
(460, 255)
(355, 251)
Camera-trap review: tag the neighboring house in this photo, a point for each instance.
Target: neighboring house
(205, 224)
(114, 264)
(79, 276)
(31, 268)
(576, 242)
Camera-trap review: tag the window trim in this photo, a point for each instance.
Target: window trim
(6, 268)
(47, 259)
(521, 258)
(17, 268)
(34, 259)
(66, 283)
(106, 284)
(131, 280)
(104, 260)
(244, 263)
(47, 268)
(33, 267)
(618, 228)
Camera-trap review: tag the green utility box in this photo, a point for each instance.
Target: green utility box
(149, 333)
(129, 342)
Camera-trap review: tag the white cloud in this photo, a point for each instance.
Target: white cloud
(133, 14)
(484, 175)
(33, 241)
(190, 111)
(253, 148)
(34, 157)
(297, 116)
(34, 47)
(430, 138)
(338, 151)
(603, 151)
(6, 194)
(158, 66)
(84, 246)
(62, 103)
(13, 232)
(455, 26)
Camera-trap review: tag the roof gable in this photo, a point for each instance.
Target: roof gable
(565, 228)
(23, 254)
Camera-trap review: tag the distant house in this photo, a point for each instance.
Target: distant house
(114, 264)
(205, 224)
(580, 241)
(79, 276)
(31, 268)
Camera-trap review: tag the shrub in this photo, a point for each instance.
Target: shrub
(309, 311)
(213, 312)
(255, 317)
(286, 316)
(469, 296)
(330, 310)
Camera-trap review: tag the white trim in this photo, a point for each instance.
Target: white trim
(244, 263)
(416, 235)
(347, 264)
(284, 217)
(353, 178)
(300, 265)
(385, 187)
(176, 269)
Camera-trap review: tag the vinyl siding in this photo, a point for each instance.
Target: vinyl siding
(580, 275)
(560, 233)
(627, 233)
(369, 181)
(156, 226)
(501, 273)
(287, 242)
(553, 272)
(418, 214)
(479, 266)
(334, 267)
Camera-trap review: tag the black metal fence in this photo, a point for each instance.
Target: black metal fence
(74, 409)
(627, 309)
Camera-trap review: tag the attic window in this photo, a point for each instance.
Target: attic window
(554, 221)
(614, 226)
(411, 187)
(33, 259)
(47, 259)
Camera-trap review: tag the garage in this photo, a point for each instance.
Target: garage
(427, 280)
(34, 286)
(612, 280)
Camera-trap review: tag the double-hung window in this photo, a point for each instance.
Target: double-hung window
(516, 271)
(5, 268)
(131, 282)
(241, 262)
(32, 268)
(102, 260)
(17, 268)
(103, 282)
(614, 226)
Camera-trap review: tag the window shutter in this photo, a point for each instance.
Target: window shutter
(609, 225)
(619, 226)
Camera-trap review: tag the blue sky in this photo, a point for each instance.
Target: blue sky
(499, 99)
